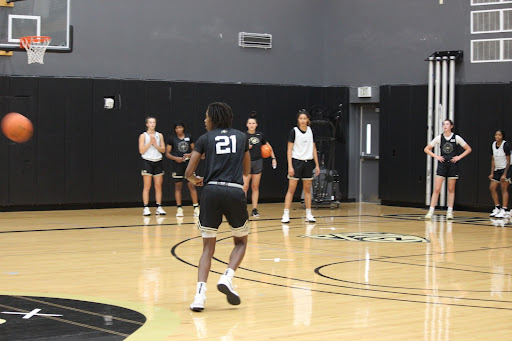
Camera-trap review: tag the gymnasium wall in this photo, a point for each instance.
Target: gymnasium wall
(371, 43)
(480, 110)
(187, 40)
(83, 155)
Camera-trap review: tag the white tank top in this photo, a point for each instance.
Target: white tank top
(500, 158)
(152, 154)
(303, 145)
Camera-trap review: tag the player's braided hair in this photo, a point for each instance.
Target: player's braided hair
(220, 114)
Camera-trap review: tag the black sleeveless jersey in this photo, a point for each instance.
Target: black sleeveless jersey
(448, 147)
(224, 151)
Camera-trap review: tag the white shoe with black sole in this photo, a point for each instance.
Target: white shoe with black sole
(224, 286)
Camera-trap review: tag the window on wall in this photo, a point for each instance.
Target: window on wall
(491, 50)
(489, 2)
(491, 21)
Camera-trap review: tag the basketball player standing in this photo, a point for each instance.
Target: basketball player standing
(447, 166)
(302, 161)
(256, 140)
(151, 147)
(179, 147)
(227, 160)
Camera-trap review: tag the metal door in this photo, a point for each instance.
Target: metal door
(369, 154)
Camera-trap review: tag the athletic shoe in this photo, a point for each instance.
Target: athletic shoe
(310, 218)
(146, 211)
(255, 213)
(428, 216)
(224, 286)
(198, 304)
(196, 211)
(501, 214)
(160, 211)
(179, 212)
(285, 218)
(449, 216)
(494, 212)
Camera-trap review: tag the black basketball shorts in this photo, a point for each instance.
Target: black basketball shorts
(448, 170)
(303, 169)
(153, 168)
(218, 201)
(178, 171)
(497, 175)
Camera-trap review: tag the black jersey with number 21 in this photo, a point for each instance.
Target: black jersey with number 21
(224, 150)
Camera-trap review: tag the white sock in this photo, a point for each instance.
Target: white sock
(230, 273)
(308, 211)
(431, 210)
(450, 210)
(201, 288)
(286, 211)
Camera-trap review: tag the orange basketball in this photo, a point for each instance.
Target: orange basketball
(17, 127)
(266, 151)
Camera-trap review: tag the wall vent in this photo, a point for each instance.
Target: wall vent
(257, 40)
(491, 50)
(491, 21)
(489, 2)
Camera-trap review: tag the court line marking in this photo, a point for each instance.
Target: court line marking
(173, 252)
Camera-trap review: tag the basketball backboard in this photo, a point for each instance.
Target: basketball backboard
(20, 18)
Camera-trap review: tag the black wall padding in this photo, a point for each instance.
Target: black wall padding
(480, 109)
(83, 154)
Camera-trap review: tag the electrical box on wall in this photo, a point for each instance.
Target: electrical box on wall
(364, 91)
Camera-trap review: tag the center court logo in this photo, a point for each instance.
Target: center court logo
(379, 237)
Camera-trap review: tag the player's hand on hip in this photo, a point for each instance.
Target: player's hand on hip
(440, 158)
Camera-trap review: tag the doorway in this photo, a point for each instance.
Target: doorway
(369, 153)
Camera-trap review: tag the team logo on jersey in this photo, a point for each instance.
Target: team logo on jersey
(254, 140)
(183, 147)
(448, 148)
(379, 237)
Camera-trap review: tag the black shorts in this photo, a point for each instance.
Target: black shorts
(153, 168)
(219, 200)
(499, 173)
(448, 170)
(303, 169)
(256, 166)
(178, 171)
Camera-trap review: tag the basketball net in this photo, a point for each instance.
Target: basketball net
(36, 47)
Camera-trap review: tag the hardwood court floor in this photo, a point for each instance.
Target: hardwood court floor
(362, 272)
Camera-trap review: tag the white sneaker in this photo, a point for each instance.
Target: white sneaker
(449, 216)
(160, 210)
(310, 218)
(224, 286)
(428, 216)
(179, 212)
(285, 218)
(196, 211)
(494, 212)
(198, 304)
(501, 214)
(146, 211)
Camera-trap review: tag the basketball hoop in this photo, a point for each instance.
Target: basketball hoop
(35, 46)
